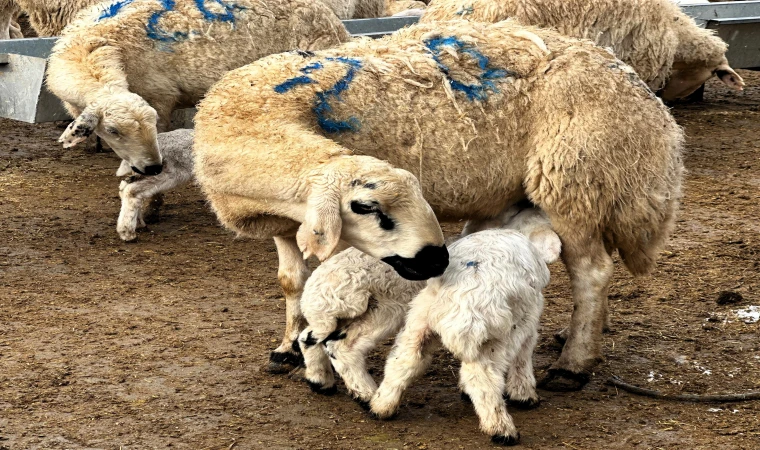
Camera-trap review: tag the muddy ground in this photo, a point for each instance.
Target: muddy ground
(160, 343)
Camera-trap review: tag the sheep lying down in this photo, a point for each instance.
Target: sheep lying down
(484, 309)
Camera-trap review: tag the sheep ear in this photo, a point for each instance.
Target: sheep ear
(319, 234)
(548, 244)
(81, 128)
(730, 77)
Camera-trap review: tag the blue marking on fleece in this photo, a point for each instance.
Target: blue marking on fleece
(476, 91)
(467, 10)
(321, 105)
(226, 16)
(113, 9)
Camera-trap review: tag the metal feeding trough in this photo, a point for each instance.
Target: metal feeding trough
(23, 95)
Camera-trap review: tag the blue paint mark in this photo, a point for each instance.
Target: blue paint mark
(321, 105)
(226, 16)
(477, 91)
(465, 11)
(113, 9)
(153, 30)
(472, 264)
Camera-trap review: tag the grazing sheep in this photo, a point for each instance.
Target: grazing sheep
(485, 115)
(485, 309)
(662, 44)
(176, 150)
(352, 302)
(122, 67)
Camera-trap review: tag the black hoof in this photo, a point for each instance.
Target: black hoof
(321, 390)
(561, 380)
(465, 398)
(376, 417)
(363, 404)
(559, 338)
(506, 440)
(530, 403)
(283, 362)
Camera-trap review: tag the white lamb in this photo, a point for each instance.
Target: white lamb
(488, 298)
(176, 149)
(485, 309)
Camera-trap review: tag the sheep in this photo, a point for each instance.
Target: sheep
(357, 9)
(484, 115)
(399, 8)
(485, 310)
(122, 67)
(176, 149)
(665, 47)
(352, 302)
(48, 17)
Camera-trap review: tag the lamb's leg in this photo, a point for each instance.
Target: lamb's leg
(349, 350)
(410, 357)
(590, 269)
(150, 212)
(133, 196)
(319, 373)
(483, 381)
(292, 274)
(521, 382)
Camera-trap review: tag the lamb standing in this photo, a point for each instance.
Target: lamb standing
(484, 115)
(664, 46)
(485, 309)
(352, 302)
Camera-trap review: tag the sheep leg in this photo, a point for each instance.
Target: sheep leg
(590, 269)
(150, 212)
(133, 196)
(521, 382)
(319, 373)
(292, 274)
(410, 357)
(483, 382)
(349, 351)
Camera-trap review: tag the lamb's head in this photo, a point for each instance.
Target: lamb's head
(376, 208)
(699, 56)
(127, 123)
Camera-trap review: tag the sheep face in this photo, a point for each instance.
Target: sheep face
(127, 123)
(379, 210)
(685, 79)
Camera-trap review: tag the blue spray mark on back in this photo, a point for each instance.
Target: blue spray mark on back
(321, 107)
(226, 16)
(475, 91)
(113, 9)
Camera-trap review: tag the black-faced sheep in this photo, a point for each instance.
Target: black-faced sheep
(485, 115)
(352, 302)
(123, 66)
(662, 44)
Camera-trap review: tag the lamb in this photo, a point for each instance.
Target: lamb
(176, 149)
(484, 115)
(352, 302)
(485, 309)
(664, 46)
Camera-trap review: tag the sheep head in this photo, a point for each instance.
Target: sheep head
(376, 208)
(127, 123)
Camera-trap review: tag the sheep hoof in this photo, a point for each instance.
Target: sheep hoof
(465, 398)
(506, 440)
(561, 380)
(283, 362)
(320, 389)
(363, 403)
(128, 237)
(377, 416)
(530, 403)
(561, 337)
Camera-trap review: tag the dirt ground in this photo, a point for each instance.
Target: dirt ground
(160, 343)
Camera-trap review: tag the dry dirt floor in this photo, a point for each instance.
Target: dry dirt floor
(161, 343)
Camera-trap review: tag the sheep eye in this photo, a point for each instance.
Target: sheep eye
(112, 130)
(364, 208)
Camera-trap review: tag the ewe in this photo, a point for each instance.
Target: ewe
(662, 44)
(485, 115)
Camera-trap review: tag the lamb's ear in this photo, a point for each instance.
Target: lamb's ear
(82, 127)
(319, 234)
(729, 76)
(547, 242)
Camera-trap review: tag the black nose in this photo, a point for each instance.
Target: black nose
(149, 170)
(429, 262)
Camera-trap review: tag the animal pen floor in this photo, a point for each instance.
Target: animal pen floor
(160, 343)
